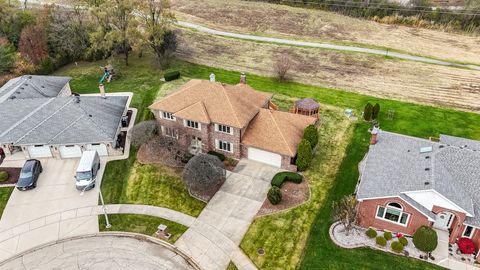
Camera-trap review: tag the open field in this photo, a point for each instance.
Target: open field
(362, 73)
(316, 25)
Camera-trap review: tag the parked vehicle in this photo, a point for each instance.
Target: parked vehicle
(87, 170)
(29, 174)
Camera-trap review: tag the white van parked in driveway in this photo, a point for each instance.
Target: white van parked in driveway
(87, 170)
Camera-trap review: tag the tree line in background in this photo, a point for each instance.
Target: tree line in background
(420, 13)
(44, 38)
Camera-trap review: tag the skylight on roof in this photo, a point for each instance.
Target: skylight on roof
(426, 149)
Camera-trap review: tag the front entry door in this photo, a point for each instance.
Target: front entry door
(443, 221)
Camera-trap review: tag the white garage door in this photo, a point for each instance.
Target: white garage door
(39, 151)
(70, 151)
(269, 158)
(100, 147)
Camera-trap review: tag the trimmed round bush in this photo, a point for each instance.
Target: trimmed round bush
(371, 233)
(403, 240)
(388, 235)
(425, 239)
(381, 241)
(397, 246)
(274, 195)
(3, 176)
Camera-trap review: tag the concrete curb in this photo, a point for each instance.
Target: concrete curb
(137, 236)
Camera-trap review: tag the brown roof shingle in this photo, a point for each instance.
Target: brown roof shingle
(277, 131)
(232, 105)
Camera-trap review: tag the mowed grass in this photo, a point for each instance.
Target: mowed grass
(5, 193)
(141, 224)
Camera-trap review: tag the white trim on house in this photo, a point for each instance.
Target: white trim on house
(192, 124)
(167, 116)
(391, 221)
(218, 144)
(387, 197)
(471, 233)
(421, 197)
(223, 129)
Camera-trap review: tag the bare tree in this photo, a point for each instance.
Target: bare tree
(204, 173)
(143, 132)
(345, 212)
(282, 65)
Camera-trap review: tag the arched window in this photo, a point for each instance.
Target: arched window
(395, 205)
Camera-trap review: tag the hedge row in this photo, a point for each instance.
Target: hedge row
(170, 76)
(281, 177)
(219, 155)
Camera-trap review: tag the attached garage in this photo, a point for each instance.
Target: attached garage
(266, 157)
(39, 151)
(100, 147)
(70, 151)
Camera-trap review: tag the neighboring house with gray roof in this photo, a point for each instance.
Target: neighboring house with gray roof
(35, 86)
(407, 182)
(62, 126)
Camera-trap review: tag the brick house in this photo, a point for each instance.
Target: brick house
(407, 182)
(235, 120)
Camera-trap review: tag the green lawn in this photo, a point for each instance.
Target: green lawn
(5, 193)
(282, 235)
(140, 224)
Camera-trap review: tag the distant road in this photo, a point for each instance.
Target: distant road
(347, 48)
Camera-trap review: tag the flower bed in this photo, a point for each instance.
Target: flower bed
(358, 238)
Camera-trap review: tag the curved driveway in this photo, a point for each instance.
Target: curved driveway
(346, 48)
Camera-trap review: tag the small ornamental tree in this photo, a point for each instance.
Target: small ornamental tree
(425, 239)
(311, 134)
(304, 155)
(466, 245)
(345, 212)
(143, 132)
(7, 56)
(375, 111)
(204, 174)
(33, 43)
(368, 112)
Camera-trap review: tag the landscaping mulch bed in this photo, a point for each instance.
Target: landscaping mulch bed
(153, 152)
(13, 174)
(292, 195)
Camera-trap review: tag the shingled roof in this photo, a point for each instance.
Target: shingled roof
(33, 86)
(396, 166)
(277, 131)
(61, 120)
(206, 102)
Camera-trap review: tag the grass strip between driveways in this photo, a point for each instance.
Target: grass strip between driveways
(5, 193)
(140, 224)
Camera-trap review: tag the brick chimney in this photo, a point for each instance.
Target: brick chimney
(243, 78)
(102, 90)
(212, 77)
(374, 132)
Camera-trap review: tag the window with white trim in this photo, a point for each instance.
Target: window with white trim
(170, 132)
(191, 124)
(168, 116)
(224, 146)
(223, 129)
(393, 213)
(468, 232)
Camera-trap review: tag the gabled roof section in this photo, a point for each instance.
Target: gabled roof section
(277, 131)
(33, 86)
(196, 112)
(232, 105)
(61, 120)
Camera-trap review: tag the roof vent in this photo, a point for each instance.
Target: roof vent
(427, 169)
(441, 146)
(427, 183)
(426, 149)
(427, 157)
(89, 115)
(42, 86)
(18, 92)
(22, 88)
(30, 77)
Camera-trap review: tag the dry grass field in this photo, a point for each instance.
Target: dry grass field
(307, 24)
(366, 74)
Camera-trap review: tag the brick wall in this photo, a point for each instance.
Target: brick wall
(367, 211)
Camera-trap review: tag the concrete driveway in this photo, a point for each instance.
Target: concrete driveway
(54, 194)
(220, 228)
